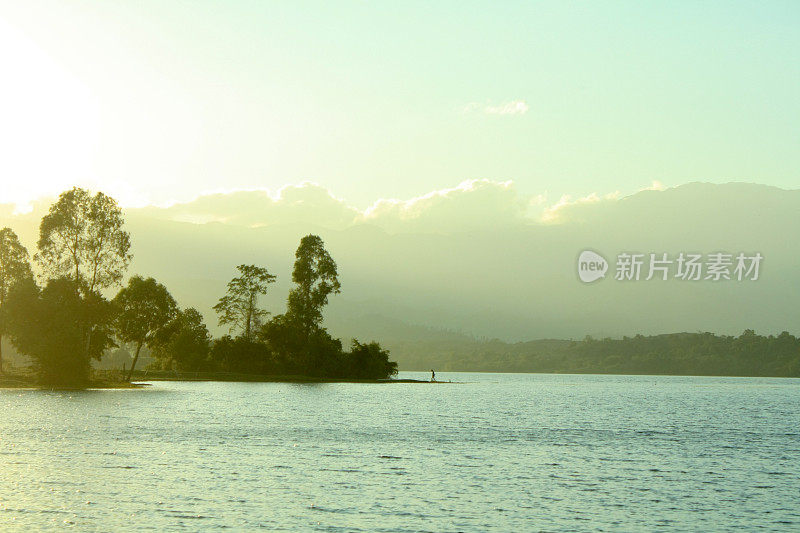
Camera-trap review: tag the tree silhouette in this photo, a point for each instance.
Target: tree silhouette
(14, 268)
(144, 306)
(49, 325)
(316, 277)
(82, 237)
(370, 361)
(184, 342)
(239, 307)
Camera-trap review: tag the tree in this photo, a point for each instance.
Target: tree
(285, 341)
(49, 325)
(185, 342)
(297, 337)
(242, 356)
(14, 268)
(370, 361)
(82, 237)
(239, 307)
(316, 278)
(144, 306)
(323, 356)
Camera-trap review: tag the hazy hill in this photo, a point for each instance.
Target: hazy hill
(480, 261)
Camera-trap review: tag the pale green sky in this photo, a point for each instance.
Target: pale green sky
(159, 101)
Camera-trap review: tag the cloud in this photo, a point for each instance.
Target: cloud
(517, 107)
(514, 107)
(292, 204)
(566, 208)
(473, 204)
(654, 186)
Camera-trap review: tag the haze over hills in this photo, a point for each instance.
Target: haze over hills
(481, 260)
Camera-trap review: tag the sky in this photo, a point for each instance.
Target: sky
(158, 102)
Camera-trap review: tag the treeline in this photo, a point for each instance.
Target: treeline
(63, 321)
(704, 354)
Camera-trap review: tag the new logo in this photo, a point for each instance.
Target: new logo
(591, 266)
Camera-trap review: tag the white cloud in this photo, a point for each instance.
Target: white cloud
(561, 210)
(292, 204)
(476, 204)
(473, 204)
(517, 107)
(654, 186)
(514, 107)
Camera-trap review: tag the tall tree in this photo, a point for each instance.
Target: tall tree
(82, 237)
(14, 268)
(49, 325)
(144, 306)
(239, 307)
(316, 277)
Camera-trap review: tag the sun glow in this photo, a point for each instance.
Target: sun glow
(49, 124)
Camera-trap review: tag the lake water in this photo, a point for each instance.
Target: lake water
(509, 452)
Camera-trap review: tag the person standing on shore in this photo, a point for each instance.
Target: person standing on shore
(433, 375)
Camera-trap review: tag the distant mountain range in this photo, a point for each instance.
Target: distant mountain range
(480, 262)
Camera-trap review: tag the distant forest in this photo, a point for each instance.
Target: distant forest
(701, 354)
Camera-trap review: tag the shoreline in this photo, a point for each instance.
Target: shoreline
(165, 375)
(276, 379)
(30, 383)
(141, 381)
